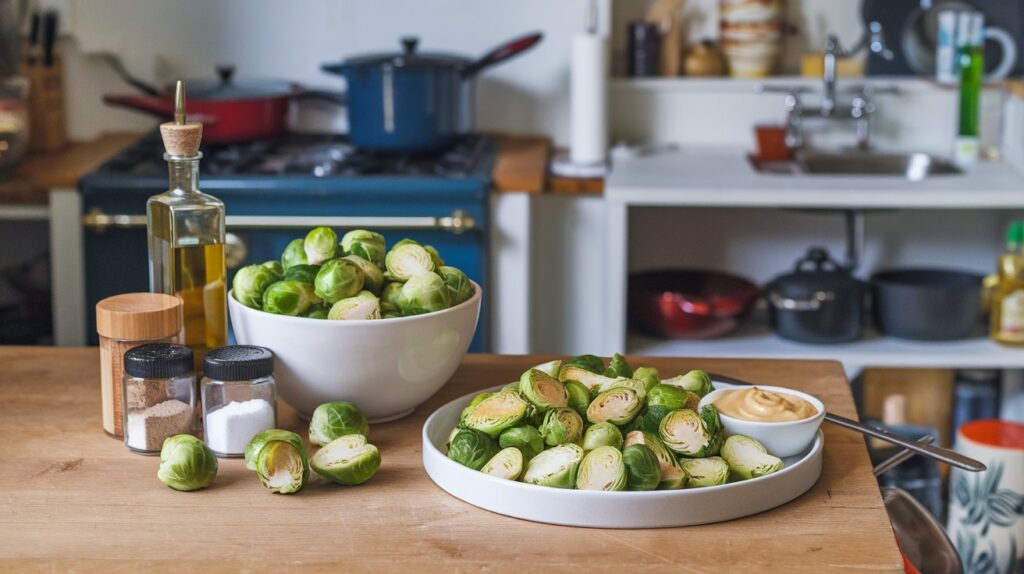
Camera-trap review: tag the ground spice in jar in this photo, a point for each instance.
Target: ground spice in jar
(148, 428)
(159, 395)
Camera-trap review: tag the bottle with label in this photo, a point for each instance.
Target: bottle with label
(971, 65)
(1007, 322)
(186, 238)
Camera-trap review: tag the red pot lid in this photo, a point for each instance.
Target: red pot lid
(991, 432)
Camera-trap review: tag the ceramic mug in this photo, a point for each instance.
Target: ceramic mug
(986, 509)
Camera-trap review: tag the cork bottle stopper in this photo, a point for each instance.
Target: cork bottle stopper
(181, 137)
(139, 316)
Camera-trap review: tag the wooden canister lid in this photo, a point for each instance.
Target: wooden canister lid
(139, 316)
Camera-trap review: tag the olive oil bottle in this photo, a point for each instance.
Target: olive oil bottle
(186, 238)
(1007, 320)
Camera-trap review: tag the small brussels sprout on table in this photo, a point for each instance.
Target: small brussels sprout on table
(289, 298)
(526, 438)
(602, 434)
(561, 425)
(555, 467)
(369, 245)
(338, 279)
(280, 459)
(320, 245)
(507, 464)
(424, 292)
(250, 282)
(602, 469)
(543, 390)
(363, 306)
(747, 458)
(348, 460)
(643, 470)
(497, 412)
(334, 420)
(186, 463)
(708, 471)
(472, 448)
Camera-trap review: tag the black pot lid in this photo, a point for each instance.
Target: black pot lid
(410, 57)
(816, 271)
(226, 88)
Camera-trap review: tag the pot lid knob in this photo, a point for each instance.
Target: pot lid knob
(225, 72)
(817, 259)
(409, 44)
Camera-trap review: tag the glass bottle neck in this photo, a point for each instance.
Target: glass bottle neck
(183, 174)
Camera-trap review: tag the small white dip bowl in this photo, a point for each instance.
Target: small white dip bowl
(782, 439)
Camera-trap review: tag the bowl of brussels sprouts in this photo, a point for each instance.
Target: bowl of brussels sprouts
(352, 319)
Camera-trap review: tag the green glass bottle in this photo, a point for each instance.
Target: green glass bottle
(971, 65)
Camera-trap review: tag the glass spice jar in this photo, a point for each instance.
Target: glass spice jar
(123, 322)
(239, 396)
(159, 395)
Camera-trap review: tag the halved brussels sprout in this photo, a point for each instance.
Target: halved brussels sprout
(591, 363)
(617, 406)
(526, 438)
(555, 467)
(550, 368)
(579, 397)
(317, 312)
(472, 448)
(321, 244)
(544, 391)
(293, 254)
(363, 306)
(618, 367)
(186, 463)
(507, 464)
(434, 256)
(497, 412)
(562, 425)
(602, 434)
(649, 376)
(686, 434)
(280, 460)
(643, 470)
(594, 382)
(338, 279)
(336, 419)
(664, 399)
(373, 277)
(302, 272)
(275, 267)
(623, 383)
(602, 469)
(289, 298)
(366, 244)
(696, 381)
(472, 405)
(406, 260)
(707, 471)
(389, 295)
(423, 293)
(348, 460)
(672, 475)
(748, 458)
(249, 284)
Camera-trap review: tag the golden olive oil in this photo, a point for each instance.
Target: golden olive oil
(1007, 314)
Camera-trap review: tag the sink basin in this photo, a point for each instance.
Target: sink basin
(913, 166)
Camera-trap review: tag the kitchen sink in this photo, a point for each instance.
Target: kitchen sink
(913, 166)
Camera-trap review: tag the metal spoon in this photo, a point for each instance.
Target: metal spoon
(938, 453)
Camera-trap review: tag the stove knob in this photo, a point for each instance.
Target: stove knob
(235, 250)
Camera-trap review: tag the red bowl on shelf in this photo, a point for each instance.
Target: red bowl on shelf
(689, 303)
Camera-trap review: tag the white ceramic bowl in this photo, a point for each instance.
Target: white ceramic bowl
(782, 439)
(387, 367)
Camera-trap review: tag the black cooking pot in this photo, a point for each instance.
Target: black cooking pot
(818, 302)
(926, 304)
(414, 102)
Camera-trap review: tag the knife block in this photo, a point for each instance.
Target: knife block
(47, 123)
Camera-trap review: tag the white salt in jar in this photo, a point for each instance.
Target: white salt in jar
(239, 397)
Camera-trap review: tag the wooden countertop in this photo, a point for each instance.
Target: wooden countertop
(75, 499)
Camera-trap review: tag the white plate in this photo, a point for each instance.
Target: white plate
(651, 509)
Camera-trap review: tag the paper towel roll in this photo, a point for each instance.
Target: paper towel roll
(588, 100)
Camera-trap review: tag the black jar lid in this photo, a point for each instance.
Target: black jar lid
(238, 363)
(158, 361)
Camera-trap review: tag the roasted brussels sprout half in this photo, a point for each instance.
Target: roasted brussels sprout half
(543, 391)
(549, 368)
(338, 279)
(280, 459)
(649, 376)
(561, 425)
(579, 397)
(293, 254)
(321, 244)
(186, 463)
(249, 284)
(708, 471)
(591, 363)
(406, 260)
(637, 386)
(664, 399)
(472, 448)
(594, 382)
(289, 298)
(472, 405)
(748, 458)
(423, 293)
(602, 434)
(366, 244)
(696, 381)
(672, 475)
(373, 277)
(602, 469)
(363, 306)
(389, 295)
(555, 467)
(618, 367)
(336, 419)
(348, 460)
(686, 433)
(643, 470)
(526, 438)
(617, 406)
(497, 412)
(275, 267)
(507, 464)
(317, 311)
(302, 272)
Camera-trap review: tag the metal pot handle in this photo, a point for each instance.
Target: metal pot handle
(812, 304)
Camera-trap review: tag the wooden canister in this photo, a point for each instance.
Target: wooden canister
(122, 322)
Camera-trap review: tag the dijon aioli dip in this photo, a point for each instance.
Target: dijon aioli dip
(759, 405)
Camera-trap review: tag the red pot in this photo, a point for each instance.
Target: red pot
(689, 303)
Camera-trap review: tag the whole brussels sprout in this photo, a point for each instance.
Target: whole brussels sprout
(293, 254)
(579, 397)
(649, 376)
(289, 298)
(643, 471)
(686, 434)
(526, 438)
(543, 391)
(602, 469)
(708, 471)
(363, 306)
(472, 448)
(274, 266)
(338, 279)
(617, 406)
(747, 458)
(594, 382)
(302, 272)
(249, 284)
(618, 367)
(672, 475)
(280, 459)
(317, 312)
(460, 289)
(405, 260)
(560, 426)
(389, 296)
(602, 434)
(696, 381)
(507, 464)
(366, 244)
(423, 293)
(373, 277)
(186, 463)
(336, 419)
(664, 399)
(591, 363)
(497, 412)
(435, 257)
(321, 244)
(348, 460)
(555, 467)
